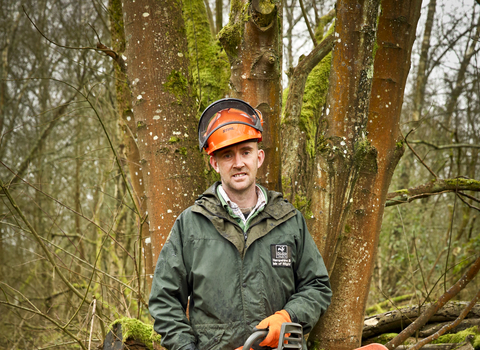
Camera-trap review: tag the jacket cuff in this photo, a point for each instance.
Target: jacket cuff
(293, 317)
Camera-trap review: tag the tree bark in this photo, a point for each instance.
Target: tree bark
(296, 159)
(129, 135)
(361, 175)
(164, 112)
(253, 44)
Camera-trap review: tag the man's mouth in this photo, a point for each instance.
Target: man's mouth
(239, 175)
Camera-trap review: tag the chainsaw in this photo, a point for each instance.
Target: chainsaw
(291, 337)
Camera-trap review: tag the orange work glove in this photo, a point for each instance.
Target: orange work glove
(274, 324)
(241, 347)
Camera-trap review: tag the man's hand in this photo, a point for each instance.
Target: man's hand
(274, 324)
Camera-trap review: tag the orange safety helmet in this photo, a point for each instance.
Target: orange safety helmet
(226, 122)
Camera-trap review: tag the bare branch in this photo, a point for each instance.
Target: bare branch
(435, 187)
(307, 22)
(448, 326)
(468, 204)
(100, 47)
(455, 145)
(420, 159)
(424, 317)
(44, 248)
(36, 311)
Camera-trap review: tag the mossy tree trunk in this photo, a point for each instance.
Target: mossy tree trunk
(373, 145)
(164, 111)
(252, 40)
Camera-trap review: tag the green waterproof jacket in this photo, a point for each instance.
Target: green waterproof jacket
(231, 285)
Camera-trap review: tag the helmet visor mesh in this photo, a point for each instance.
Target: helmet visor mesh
(209, 122)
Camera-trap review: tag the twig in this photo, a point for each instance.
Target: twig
(420, 159)
(468, 204)
(36, 311)
(454, 145)
(93, 318)
(42, 245)
(100, 47)
(422, 319)
(470, 197)
(307, 22)
(83, 262)
(449, 326)
(408, 254)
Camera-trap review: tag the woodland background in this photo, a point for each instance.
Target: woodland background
(74, 231)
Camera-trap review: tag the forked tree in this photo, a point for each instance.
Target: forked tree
(336, 162)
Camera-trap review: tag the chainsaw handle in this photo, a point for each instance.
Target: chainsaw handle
(254, 337)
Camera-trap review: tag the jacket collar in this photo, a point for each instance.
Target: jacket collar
(277, 207)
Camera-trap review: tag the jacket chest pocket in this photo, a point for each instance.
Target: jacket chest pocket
(209, 338)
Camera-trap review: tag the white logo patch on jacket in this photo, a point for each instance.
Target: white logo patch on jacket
(281, 255)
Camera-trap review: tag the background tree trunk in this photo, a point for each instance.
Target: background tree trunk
(371, 153)
(254, 48)
(164, 112)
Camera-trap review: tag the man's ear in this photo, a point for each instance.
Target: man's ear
(261, 157)
(214, 164)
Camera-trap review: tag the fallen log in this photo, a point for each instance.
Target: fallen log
(397, 320)
(432, 328)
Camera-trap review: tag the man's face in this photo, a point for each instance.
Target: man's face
(238, 165)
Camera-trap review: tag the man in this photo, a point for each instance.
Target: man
(241, 256)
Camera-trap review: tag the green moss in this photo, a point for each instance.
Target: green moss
(176, 84)
(231, 35)
(384, 338)
(208, 63)
(460, 337)
(314, 98)
(286, 186)
(404, 191)
(462, 182)
(141, 125)
(302, 203)
(182, 151)
(135, 329)
(347, 228)
(174, 139)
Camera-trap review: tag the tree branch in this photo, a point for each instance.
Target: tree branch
(100, 47)
(36, 311)
(307, 22)
(299, 77)
(448, 326)
(436, 147)
(431, 188)
(424, 317)
(420, 159)
(47, 252)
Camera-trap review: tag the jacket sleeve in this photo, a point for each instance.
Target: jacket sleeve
(169, 294)
(313, 293)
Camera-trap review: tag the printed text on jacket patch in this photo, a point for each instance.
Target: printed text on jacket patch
(281, 255)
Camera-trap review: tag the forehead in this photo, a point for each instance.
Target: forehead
(250, 145)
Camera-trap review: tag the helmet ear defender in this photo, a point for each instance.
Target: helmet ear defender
(226, 122)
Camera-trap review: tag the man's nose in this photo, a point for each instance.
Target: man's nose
(238, 161)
